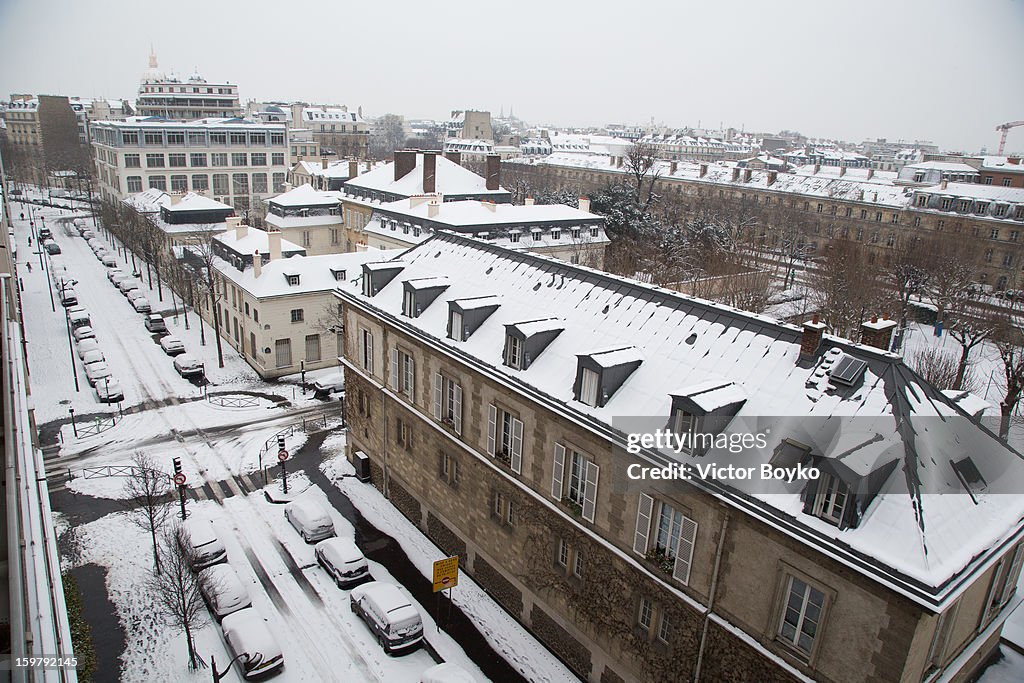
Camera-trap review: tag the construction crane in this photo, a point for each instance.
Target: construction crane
(1004, 129)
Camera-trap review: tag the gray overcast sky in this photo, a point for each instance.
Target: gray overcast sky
(944, 70)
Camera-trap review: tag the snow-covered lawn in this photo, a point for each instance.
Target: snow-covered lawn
(504, 633)
(1009, 669)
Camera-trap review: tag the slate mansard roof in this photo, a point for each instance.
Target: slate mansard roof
(915, 538)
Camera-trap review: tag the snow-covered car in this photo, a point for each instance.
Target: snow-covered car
(94, 356)
(78, 316)
(154, 322)
(141, 304)
(447, 673)
(188, 365)
(45, 234)
(83, 332)
(206, 547)
(95, 244)
(223, 590)
(390, 616)
(109, 260)
(118, 279)
(51, 247)
(96, 372)
(113, 273)
(89, 234)
(309, 518)
(68, 297)
(172, 346)
(109, 391)
(127, 285)
(249, 639)
(327, 384)
(87, 345)
(134, 294)
(343, 561)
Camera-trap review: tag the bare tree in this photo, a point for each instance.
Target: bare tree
(846, 287)
(949, 264)
(641, 163)
(941, 369)
(970, 327)
(200, 253)
(906, 273)
(148, 499)
(176, 588)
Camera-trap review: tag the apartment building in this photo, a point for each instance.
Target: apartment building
(310, 218)
(470, 124)
(822, 203)
(489, 389)
(279, 311)
(171, 97)
(1002, 171)
(238, 162)
(345, 133)
(678, 146)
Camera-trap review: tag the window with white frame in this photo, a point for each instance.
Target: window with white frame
(940, 639)
(505, 437)
(667, 538)
(574, 481)
(801, 614)
(514, 352)
(1004, 583)
(665, 628)
(645, 616)
(831, 499)
(563, 552)
(448, 401)
(403, 372)
(589, 381)
(366, 349)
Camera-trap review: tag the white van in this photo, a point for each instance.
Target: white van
(391, 617)
(223, 590)
(343, 561)
(309, 518)
(207, 547)
(251, 641)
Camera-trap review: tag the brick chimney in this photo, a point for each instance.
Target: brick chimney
(871, 173)
(257, 264)
(353, 169)
(945, 183)
(585, 204)
(673, 167)
(877, 333)
(323, 163)
(454, 157)
(703, 170)
(489, 205)
(772, 175)
(429, 172)
(493, 171)
(814, 329)
(1013, 160)
(274, 244)
(735, 174)
(842, 171)
(618, 162)
(746, 175)
(530, 201)
(405, 162)
(817, 168)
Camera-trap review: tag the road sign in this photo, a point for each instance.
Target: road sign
(446, 573)
(282, 455)
(179, 479)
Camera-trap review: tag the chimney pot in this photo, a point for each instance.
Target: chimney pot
(877, 333)
(811, 338)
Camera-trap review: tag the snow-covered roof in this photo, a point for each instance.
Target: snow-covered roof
(996, 193)
(305, 195)
(476, 213)
(921, 536)
(948, 166)
(215, 122)
(254, 240)
(450, 179)
(1002, 164)
(318, 114)
(148, 201)
(316, 273)
(196, 202)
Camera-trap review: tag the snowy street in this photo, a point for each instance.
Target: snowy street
(227, 450)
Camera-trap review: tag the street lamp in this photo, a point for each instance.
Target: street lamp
(71, 348)
(74, 427)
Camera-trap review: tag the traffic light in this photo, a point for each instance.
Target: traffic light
(177, 465)
(280, 442)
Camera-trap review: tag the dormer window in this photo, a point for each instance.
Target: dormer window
(513, 237)
(525, 341)
(376, 276)
(338, 274)
(831, 499)
(514, 353)
(599, 375)
(575, 233)
(556, 234)
(420, 293)
(466, 315)
(594, 232)
(293, 279)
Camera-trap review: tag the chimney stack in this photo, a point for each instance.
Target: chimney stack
(871, 173)
(454, 157)
(433, 208)
(493, 174)
(746, 175)
(405, 162)
(1013, 160)
(288, 187)
(877, 333)
(735, 174)
(323, 163)
(817, 167)
(811, 339)
(530, 201)
(489, 205)
(257, 264)
(429, 172)
(175, 198)
(772, 175)
(945, 183)
(703, 170)
(585, 204)
(618, 162)
(274, 240)
(842, 171)
(673, 167)
(369, 166)
(353, 169)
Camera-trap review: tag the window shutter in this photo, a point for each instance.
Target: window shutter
(369, 352)
(590, 491)
(394, 369)
(457, 408)
(438, 382)
(410, 376)
(684, 554)
(557, 472)
(517, 446)
(643, 524)
(492, 427)
(1013, 577)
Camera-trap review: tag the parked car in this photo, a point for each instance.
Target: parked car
(78, 316)
(87, 345)
(249, 639)
(113, 273)
(101, 253)
(223, 590)
(155, 323)
(45, 234)
(128, 284)
(89, 234)
(327, 384)
(206, 546)
(94, 356)
(94, 244)
(133, 295)
(141, 304)
(68, 297)
(51, 247)
(95, 372)
(118, 279)
(390, 616)
(109, 260)
(172, 346)
(83, 332)
(447, 673)
(308, 517)
(343, 561)
(188, 365)
(109, 390)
